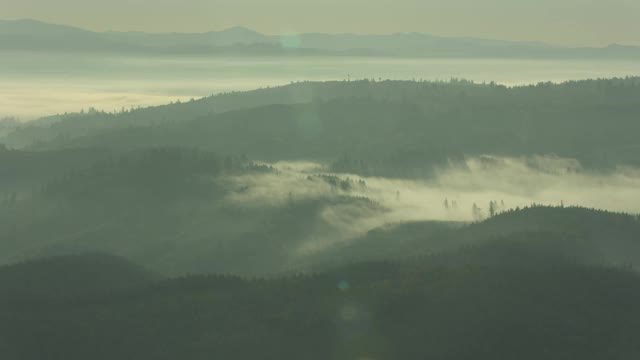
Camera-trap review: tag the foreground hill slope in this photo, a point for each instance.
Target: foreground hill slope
(463, 306)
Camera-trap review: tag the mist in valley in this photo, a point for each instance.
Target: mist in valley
(465, 192)
(418, 193)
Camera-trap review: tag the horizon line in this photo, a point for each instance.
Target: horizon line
(290, 34)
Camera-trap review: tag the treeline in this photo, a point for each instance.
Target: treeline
(399, 128)
(336, 182)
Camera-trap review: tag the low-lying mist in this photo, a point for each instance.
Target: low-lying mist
(46, 83)
(461, 192)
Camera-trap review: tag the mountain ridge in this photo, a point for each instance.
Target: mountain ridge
(28, 34)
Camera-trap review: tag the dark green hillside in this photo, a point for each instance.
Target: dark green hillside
(71, 277)
(586, 235)
(581, 221)
(471, 305)
(22, 171)
(381, 128)
(613, 237)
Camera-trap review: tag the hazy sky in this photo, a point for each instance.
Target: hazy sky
(571, 22)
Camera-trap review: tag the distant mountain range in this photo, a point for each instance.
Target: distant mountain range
(31, 35)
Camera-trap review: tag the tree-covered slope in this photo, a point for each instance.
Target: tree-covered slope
(179, 211)
(459, 307)
(586, 235)
(24, 171)
(65, 278)
(173, 210)
(379, 125)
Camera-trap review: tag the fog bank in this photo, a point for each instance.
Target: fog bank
(451, 195)
(34, 85)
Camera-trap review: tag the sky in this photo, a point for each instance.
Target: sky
(565, 22)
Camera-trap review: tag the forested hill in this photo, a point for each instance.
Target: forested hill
(180, 211)
(584, 235)
(593, 121)
(471, 305)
